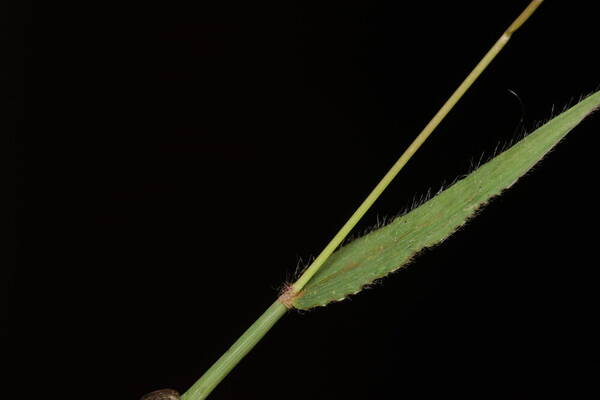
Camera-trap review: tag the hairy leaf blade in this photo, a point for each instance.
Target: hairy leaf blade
(389, 248)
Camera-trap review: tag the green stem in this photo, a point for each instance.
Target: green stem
(215, 374)
(211, 378)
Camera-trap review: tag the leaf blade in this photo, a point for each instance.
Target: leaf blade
(387, 249)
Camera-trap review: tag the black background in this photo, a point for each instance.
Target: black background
(191, 155)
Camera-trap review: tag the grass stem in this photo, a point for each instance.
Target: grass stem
(215, 374)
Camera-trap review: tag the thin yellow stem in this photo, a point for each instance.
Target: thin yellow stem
(414, 146)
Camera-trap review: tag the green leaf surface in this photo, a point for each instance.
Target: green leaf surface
(387, 249)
